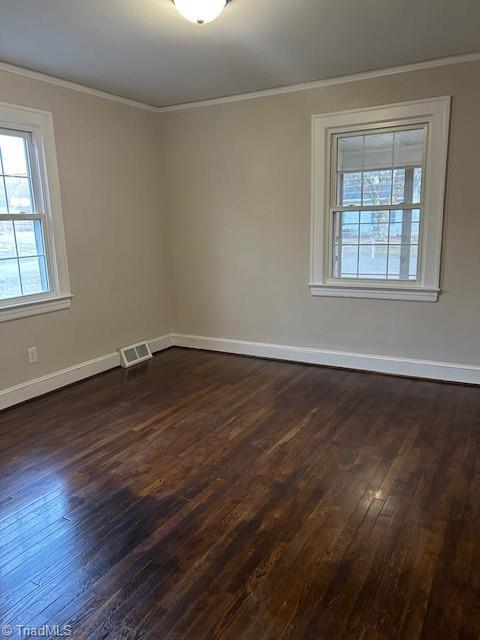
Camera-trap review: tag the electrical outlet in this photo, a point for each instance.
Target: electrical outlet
(32, 355)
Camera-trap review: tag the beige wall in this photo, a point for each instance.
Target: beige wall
(237, 196)
(108, 159)
(199, 221)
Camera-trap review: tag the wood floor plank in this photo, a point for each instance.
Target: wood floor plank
(205, 496)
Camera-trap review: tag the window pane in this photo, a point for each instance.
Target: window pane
(7, 240)
(350, 153)
(374, 233)
(33, 273)
(350, 217)
(396, 231)
(378, 152)
(19, 195)
(415, 236)
(394, 262)
(367, 217)
(373, 261)
(402, 228)
(29, 237)
(14, 155)
(373, 217)
(409, 148)
(346, 261)
(350, 188)
(417, 185)
(407, 185)
(398, 193)
(9, 279)
(3, 197)
(396, 216)
(402, 262)
(348, 234)
(413, 262)
(365, 152)
(377, 187)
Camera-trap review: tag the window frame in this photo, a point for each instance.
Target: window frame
(434, 114)
(37, 128)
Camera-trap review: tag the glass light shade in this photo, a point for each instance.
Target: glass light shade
(200, 11)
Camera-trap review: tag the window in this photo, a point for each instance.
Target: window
(377, 205)
(33, 270)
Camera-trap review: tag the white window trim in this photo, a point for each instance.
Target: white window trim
(436, 114)
(40, 125)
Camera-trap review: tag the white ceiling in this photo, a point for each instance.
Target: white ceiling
(144, 50)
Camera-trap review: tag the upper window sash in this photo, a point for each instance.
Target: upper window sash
(335, 204)
(33, 175)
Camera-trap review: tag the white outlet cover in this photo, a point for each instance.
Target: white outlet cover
(32, 355)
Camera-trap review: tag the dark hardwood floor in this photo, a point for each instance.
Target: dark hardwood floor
(208, 496)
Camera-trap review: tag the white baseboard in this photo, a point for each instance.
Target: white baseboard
(446, 371)
(162, 343)
(58, 379)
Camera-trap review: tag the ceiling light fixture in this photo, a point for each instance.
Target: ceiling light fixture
(200, 11)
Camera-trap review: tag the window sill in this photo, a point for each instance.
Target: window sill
(418, 294)
(26, 308)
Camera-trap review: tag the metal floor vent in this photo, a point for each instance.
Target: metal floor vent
(135, 353)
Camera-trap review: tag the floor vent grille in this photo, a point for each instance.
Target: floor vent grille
(134, 353)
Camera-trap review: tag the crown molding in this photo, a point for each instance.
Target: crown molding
(66, 84)
(317, 84)
(305, 86)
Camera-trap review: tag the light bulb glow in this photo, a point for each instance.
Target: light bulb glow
(200, 11)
